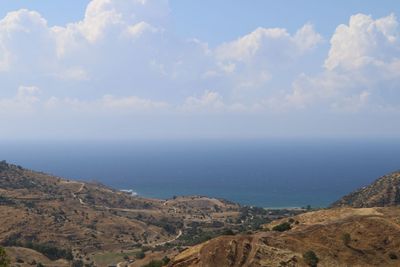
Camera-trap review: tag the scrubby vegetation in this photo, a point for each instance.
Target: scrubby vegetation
(393, 256)
(4, 260)
(140, 255)
(311, 258)
(346, 238)
(49, 250)
(158, 263)
(282, 227)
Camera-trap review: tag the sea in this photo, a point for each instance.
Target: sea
(271, 173)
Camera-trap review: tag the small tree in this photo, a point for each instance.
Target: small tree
(140, 255)
(282, 227)
(393, 256)
(311, 258)
(165, 260)
(77, 263)
(4, 260)
(346, 238)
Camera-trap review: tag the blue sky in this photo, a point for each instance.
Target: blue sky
(218, 21)
(111, 69)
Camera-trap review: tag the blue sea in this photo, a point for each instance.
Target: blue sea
(266, 173)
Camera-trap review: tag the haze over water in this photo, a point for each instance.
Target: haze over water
(275, 173)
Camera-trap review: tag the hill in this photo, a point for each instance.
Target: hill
(384, 192)
(338, 237)
(65, 220)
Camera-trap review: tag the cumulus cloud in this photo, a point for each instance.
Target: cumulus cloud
(123, 57)
(361, 70)
(23, 101)
(268, 44)
(364, 41)
(253, 64)
(26, 42)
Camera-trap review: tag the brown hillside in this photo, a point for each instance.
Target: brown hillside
(41, 211)
(374, 232)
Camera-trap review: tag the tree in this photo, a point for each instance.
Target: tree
(282, 227)
(77, 263)
(393, 256)
(311, 258)
(154, 263)
(346, 238)
(4, 260)
(165, 260)
(140, 255)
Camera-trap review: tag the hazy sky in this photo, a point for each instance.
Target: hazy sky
(126, 69)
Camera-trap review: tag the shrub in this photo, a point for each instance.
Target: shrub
(393, 256)
(77, 263)
(50, 251)
(154, 263)
(166, 260)
(4, 260)
(282, 227)
(228, 232)
(311, 258)
(346, 238)
(140, 255)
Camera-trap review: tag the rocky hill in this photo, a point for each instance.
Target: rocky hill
(336, 237)
(384, 192)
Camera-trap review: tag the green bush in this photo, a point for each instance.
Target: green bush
(228, 232)
(346, 238)
(77, 263)
(311, 258)
(4, 260)
(154, 263)
(166, 260)
(282, 227)
(140, 255)
(393, 256)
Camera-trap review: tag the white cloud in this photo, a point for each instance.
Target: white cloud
(24, 101)
(131, 102)
(26, 42)
(269, 43)
(124, 58)
(257, 60)
(362, 69)
(208, 101)
(364, 42)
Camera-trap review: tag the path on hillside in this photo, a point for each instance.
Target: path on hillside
(169, 241)
(126, 210)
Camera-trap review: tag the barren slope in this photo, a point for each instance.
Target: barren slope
(375, 238)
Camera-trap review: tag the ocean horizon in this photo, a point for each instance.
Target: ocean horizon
(265, 173)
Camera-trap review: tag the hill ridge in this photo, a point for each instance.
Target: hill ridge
(383, 192)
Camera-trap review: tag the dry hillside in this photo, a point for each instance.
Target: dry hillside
(384, 192)
(64, 220)
(373, 239)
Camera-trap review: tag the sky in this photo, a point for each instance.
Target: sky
(138, 69)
